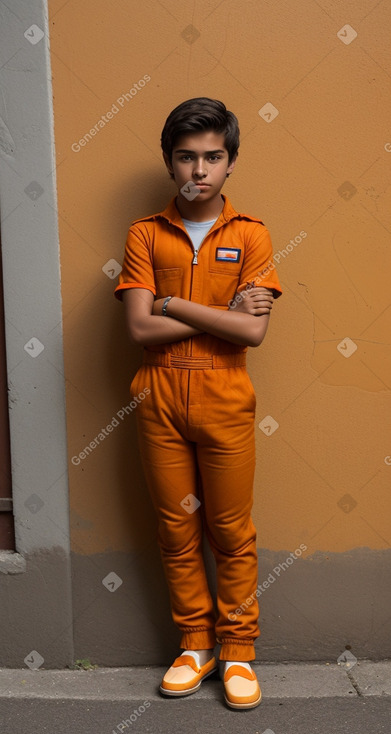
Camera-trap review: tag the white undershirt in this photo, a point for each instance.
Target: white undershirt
(197, 231)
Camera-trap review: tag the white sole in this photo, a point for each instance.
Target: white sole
(251, 705)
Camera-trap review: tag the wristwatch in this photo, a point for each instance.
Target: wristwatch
(165, 304)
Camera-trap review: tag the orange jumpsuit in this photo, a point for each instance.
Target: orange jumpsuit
(196, 426)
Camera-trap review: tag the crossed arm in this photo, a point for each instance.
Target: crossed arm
(245, 322)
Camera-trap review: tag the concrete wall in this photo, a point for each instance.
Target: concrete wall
(35, 581)
(308, 82)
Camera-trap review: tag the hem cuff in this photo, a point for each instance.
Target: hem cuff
(242, 651)
(200, 639)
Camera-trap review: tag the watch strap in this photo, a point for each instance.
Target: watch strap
(165, 304)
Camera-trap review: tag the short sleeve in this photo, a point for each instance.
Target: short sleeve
(137, 269)
(258, 265)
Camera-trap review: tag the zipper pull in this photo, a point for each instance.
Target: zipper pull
(195, 261)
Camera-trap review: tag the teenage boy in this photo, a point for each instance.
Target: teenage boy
(182, 274)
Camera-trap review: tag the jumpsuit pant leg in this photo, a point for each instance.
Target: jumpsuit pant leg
(199, 425)
(170, 469)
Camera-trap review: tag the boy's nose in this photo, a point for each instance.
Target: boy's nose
(199, 168)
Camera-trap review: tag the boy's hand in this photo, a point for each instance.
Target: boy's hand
(256, 301)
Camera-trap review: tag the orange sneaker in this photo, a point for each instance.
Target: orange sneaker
(185, 675)
(241, 688)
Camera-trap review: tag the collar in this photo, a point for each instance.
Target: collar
(172, 215)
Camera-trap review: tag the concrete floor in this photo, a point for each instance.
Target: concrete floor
(302, 698)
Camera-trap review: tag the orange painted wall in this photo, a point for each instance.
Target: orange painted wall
(321, 166)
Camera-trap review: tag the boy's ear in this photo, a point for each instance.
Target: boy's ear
(168, 163)
(232, 164)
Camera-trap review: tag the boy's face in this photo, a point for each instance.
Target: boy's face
(203, 159)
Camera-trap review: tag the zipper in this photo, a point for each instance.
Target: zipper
(194, 262)
(195, 258)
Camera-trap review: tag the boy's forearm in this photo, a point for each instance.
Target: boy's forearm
(162, 330)
(235, 327)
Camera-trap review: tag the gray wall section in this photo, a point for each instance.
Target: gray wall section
(314, 608)
(35, 582)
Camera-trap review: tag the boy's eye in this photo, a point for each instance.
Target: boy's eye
(189, 157)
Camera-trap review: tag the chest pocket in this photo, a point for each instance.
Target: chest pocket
(224, 278)
(168, 282)
(222, 288)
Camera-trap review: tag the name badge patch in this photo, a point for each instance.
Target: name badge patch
(228, 254)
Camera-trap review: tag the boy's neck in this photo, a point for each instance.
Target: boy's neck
(199, 211)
